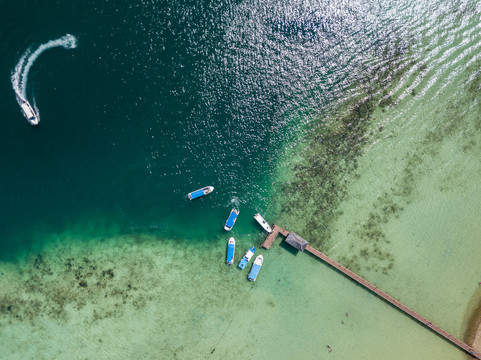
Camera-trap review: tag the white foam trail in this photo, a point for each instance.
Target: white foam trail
(235, 202)
(20, 75)
(36, 109)
(17, 75)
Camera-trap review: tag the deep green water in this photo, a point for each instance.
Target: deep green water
(161, 98)
(354, 123)
(150, 111)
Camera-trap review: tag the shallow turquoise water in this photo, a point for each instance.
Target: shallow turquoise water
(159, 99)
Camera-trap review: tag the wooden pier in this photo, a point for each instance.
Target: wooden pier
(272, 236)
(468, 349)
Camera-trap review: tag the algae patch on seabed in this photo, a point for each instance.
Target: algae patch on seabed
(318, 177)
(326, 166)
(49, 284)
(110, 289)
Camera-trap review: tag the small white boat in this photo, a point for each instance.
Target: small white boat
(30, 114)
(201, 192)
(230, 251)
(231, 219)
(262, 222)
(256, 266)
(247, 257)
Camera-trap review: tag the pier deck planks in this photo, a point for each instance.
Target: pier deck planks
(394, 302)
(272, 236)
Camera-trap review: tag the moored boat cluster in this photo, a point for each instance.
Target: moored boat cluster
(229, 224)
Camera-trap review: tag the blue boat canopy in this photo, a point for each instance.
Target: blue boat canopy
(254, 272)
(197, 193)
(230, 253)
(231, 219)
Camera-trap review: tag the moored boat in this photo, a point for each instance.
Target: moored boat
(30, 114)
(201, 192)
(256, 266)
(247, 256)
(231, 219)
(265, 225)
(230, 251)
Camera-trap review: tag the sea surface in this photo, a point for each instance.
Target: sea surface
(356, 124)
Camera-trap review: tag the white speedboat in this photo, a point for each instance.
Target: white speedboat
(30, 114)
(262, 223)
(256, 266)
(201, 192)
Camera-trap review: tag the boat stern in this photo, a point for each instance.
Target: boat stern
(256, 267)
(242, 263)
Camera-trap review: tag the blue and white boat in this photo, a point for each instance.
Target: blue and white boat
(201, 192)
(247, 257)
(231, 220)
(230, 251)
(255, 268)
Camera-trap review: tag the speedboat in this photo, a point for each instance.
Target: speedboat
(201, 192)
(231, 219)
(255, 268)
(230, 251)
(30, 114)
(247, 257)
(263, 223)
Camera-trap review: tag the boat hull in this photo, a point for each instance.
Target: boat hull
(200, 192)
(256, 267)
(29, 113)
(265, 225)
(247, 256)
(229, 224)
(230, 251)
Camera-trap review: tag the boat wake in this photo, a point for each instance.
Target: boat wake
(235, 202)
(20, 75)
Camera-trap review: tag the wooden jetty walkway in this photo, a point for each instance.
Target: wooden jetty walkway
(302, 245)
(272, 236)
